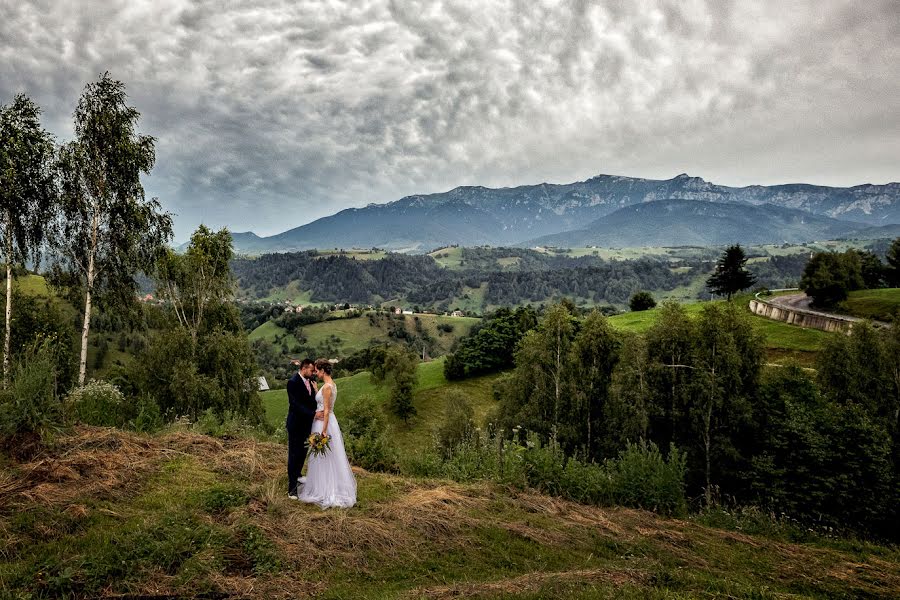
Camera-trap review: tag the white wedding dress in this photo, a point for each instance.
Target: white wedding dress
(329, 480)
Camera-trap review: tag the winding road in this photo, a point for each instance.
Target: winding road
(801, 302)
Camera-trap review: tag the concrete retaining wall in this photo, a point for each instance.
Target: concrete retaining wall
(799, 317)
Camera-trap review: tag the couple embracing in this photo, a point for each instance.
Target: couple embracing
(329, 480)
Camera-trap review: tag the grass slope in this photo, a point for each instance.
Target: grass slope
(783, 341)
(358, 333)
(880, 305)
(107, 513)
(428, 399)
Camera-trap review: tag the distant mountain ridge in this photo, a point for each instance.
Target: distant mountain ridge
(699, 223)
(475, 215)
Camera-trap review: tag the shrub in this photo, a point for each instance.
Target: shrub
(29, 404)
(98, 403)
(148, 418)
(641, 301)
(458, 424)
(642, 478)
(365, 437)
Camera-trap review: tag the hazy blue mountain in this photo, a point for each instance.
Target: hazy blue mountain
(699, 223)
(506, 216)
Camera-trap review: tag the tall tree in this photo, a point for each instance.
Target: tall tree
(110, 232)
(28, 193)
(892, 270)
(730, 276)
(594, 354)
(190, 282)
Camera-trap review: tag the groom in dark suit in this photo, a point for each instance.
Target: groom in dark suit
(301, 391)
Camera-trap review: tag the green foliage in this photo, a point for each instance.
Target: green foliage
(730, 276)
(458, 423)
(641, 301)
(490, 347)
(365, 436)
(537, 393)
(399, 371)
(148, 417)
(640, 476)
(109, 232)
(28, 193)
(37, 319)
(199, 278)
(892, 269)
(30, 403)
(98, 403)
(829, 277)
(219, 498)
(219, 375)
(643, 478)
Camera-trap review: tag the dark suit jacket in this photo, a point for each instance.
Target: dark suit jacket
(301, 404)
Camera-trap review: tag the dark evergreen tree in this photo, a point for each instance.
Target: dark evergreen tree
(730, 276)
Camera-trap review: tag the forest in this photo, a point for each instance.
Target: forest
(509, 276)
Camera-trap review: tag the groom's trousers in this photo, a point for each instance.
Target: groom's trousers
(298, 432)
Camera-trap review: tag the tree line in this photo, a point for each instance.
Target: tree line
(82, 205)
(820, 446)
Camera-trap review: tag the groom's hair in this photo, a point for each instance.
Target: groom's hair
(306, 361)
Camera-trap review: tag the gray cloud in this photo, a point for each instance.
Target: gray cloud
(272, 113)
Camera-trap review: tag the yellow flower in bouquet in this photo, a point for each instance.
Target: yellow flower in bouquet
(318, 444)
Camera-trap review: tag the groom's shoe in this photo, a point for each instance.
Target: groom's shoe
(292, 496)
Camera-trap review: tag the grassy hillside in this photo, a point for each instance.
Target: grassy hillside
(880, 305)
(428, 398)
(358, 333)
(783, 341)
(106, 513)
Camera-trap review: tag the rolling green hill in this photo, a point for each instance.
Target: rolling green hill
(347, 336)
(428, 398)
(880, 305)
(783, 342)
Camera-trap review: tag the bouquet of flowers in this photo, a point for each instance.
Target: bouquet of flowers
(319, 444)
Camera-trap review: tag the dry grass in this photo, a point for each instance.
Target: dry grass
(411, 522)
(532, 582)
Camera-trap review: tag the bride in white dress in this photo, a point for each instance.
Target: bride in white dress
(329, 480)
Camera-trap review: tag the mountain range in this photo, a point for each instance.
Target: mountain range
(606, 210)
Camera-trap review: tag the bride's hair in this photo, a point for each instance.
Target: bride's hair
(324, 365)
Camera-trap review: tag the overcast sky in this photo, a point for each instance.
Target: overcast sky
(272, 113)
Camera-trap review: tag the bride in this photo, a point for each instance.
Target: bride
(329, 480)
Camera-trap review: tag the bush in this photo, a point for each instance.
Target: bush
(641, 301)
(458, 424)
(98, 403)
(365, 437)
(29, 404)
(642, 478)
(148, 418)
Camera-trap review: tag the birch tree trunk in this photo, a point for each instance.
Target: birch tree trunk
(7, 336)
(86, 328)
(82, 368)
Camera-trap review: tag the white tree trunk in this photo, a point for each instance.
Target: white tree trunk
(7, 336)
(82, 369)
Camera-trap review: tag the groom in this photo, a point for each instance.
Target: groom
(301, 391)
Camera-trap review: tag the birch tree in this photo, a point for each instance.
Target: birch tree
(28, 194)
(109, 231)
(189, 282)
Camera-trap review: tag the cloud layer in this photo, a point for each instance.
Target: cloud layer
(272, 113)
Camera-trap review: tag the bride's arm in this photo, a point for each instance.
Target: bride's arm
(326, 403)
